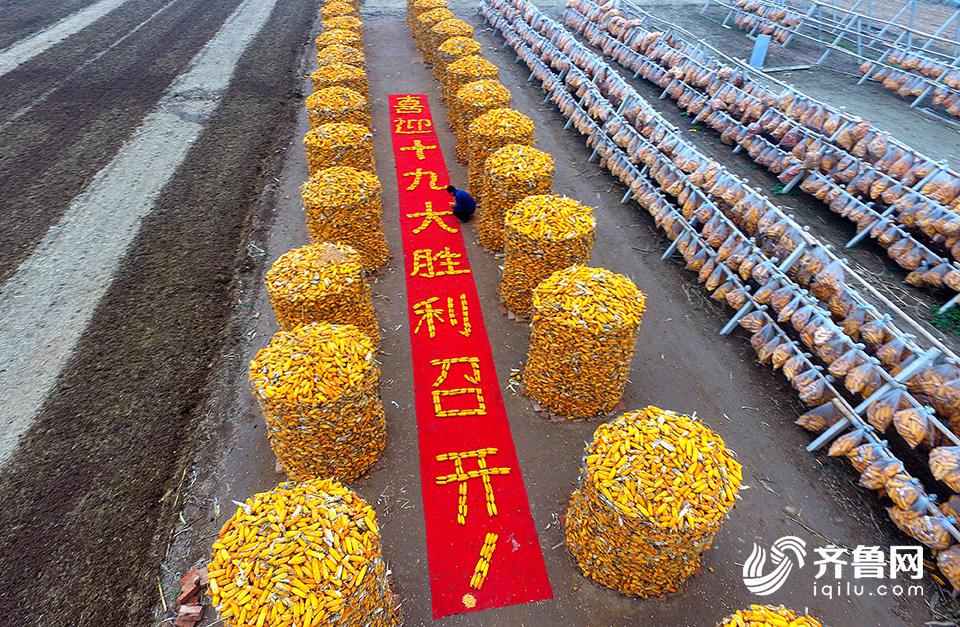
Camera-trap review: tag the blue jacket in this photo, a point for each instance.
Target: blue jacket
(464, 204)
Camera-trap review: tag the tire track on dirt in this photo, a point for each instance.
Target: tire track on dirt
(85, 491)
(21, 18)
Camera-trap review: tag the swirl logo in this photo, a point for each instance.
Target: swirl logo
(786, 552)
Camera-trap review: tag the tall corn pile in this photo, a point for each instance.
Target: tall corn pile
(424, 22)
(442, 31)
(470, 102)
(654, 489)
(450, 50)
(340, 75)
(509, 175)
(301, 554)
(338, 53)
(543, 234)
(585, 323)
(768, 616)
(466, 70)
(345, 22)
(416, 8)
(342, 37)
(337, 104)
(489, 133)
(322, 283)
(337, 9)
(318, 387)
(342, 204)
(340, 143)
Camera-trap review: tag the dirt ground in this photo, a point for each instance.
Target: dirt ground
(681, 363)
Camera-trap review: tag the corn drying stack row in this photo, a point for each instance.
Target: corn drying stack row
(654, 488)
(769, 616)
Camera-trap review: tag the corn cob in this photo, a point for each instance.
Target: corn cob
(337, 9)
(470, 102)
(301, 554)
(340, 75)
(342, 37)
(343, 204)
(349, 145)
(768, 616)
(509, 175)
(449, 51)
(337, 104)
(489, 133)
(338, 53)
(466, 70)
(442, 31)
(346, 22)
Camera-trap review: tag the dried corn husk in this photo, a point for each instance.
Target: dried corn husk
(466, 70)
(338, 53)
(342, 204)
(337, 9)
(509, 175)
(340, 75)
(585, 322)
(339, 143)
(442, 31)
(449, 51)
(318, 386)
(337, 104)
(949, 564)
(489, 133)
(768, 616)
(345, 22)
(343, 37)
(303, 553)
(654, 489)
(470, 102)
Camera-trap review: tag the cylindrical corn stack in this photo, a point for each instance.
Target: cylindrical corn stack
(337, 9)
(470, 102)
(318, 387)
(442, 31)
(585, 323)
(466, 70)
(543, 234)
(340, 75)
(302, 554)
(337, 104)
(322, 283)
(489, 133)
(425, 21)
(509, 175)
(768, 616)
(338, 53)
(342, 204)
(344, 144)
(342, 37)
(418, 7)
(449, 51)
(654, 489)
(346, 22)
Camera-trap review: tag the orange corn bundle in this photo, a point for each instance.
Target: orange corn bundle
(425, 21)
(339, 143)
(466, 70)
(449, 51)
(340, 75)
(318, 387)
(336, 36)
(470, 102)
(509, 175)
(442, 31)
(489, 133)
(337, 9)
(322, 283)
(337, 104)
(769, 616)
(416, 8)
(338, 53)
(346, 22)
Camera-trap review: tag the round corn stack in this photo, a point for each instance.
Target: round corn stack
(470, 102)
(340, 75)
(425, 21)
(339, 143)
(302, 554)
(318, 387)
(466, 70)
(542, 234)
(654, 489)
(322, 283)
(338, 53)
(337, 9)
(346, 22)
(768, 616)
(450, 50)
(585, 323)
(489, 133)
(342, 204)
(416, 8)
(442, 31)
(337, 104)
(509, 175)
(342, 37)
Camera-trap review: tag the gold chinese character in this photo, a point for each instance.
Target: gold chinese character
(431, 217)
(418, 174)
(479, 408)
(483, 564)
(425, 262)
(408, 104)
(420, 148)
(431, 316)
(418, 126)
(462, 476)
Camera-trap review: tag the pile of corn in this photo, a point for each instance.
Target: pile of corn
(338, 53)
(341, 37)
(466, 70)
(424, 22)
(337, 9)
(339, 143)
(509, 175)
(654, 488)
(768, 616)
(449, 51)
(322, 283)
(337, 104)
(470, 102)
(416, 8)
(301, 554)
(543, 234)
(442, 31)
(318, 387)
(340, 75)
(585, 323)
(342, 204)
(489, 133)
(345, 22)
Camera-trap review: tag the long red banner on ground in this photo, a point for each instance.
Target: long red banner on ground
(482, 546)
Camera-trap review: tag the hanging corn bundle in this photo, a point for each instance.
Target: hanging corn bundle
(585, 323)
(417, 8)
(654, 489)
(343, 204)
(345, 22)
(301, 554)
(509, 175)
(442, 31)
(543, 234)
(489, 133)
(470, 102)
(338, 53)
(339, 37)
(337, 9)
(425, 21)
(339, 143)
(337, 104)
(449, 51)
(322, 283)
(340, 75)
(769, 616)
(466, 70)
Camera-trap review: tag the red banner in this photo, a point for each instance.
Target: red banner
(482, 547)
